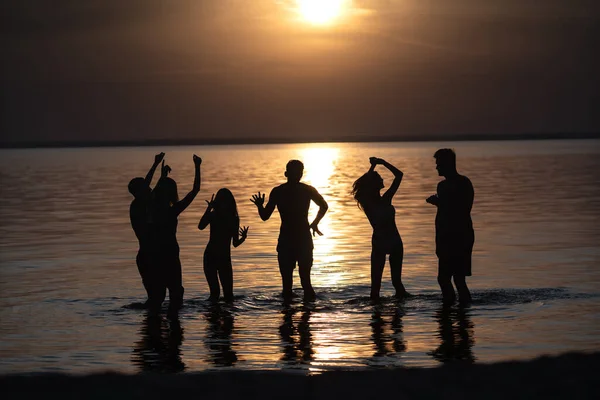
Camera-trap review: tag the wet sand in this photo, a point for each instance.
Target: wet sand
(569, 376)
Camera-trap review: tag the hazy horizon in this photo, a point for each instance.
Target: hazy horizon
(233, 69)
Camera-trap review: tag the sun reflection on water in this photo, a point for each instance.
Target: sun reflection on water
(319, 168)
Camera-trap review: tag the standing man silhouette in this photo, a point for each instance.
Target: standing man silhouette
(295, 244)
(454, 235)
(138, 215)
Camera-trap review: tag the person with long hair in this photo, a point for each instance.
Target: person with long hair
(165, 210)
(222, 216)
(382, 216)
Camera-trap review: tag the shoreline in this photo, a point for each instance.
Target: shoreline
(571, 375)
(316, 139)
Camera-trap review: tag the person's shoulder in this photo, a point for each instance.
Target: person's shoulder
(277, 189)
(465, 180)
(307, 187)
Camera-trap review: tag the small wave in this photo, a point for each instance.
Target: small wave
(348, 300)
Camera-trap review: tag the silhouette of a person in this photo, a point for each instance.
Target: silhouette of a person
(295, 244)
(165, 209)
(454, 235)
(221, 213)
(382, 216)
(138, 215)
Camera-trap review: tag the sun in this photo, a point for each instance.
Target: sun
(322, 12)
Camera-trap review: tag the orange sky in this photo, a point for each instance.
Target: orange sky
(150, 69)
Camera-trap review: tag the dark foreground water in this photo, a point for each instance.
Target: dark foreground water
(70, 290)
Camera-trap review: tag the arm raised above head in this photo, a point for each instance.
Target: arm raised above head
(389, 194)
(157, 160)
(181, 205)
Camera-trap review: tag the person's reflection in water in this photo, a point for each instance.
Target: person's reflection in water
(219, 330)
(386, 343)
(158, 349)
(456, 334)
(296, 342)
(398, 329)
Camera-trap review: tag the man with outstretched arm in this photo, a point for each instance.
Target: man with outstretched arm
(295, 244)
(454, 235)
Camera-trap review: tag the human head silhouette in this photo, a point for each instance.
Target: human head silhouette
(165, 192)
(445, 162)
(225, 202)
(367, 187)
(138, 187)
(294, 170)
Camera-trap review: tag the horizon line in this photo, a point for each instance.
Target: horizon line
(272, 140)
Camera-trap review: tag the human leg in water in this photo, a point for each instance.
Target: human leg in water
(377, 265)
(174, 284)
(464, 295)
(305, 263)
(286, 269)
(396, 258)
(210, 272)
(444, 280)
(226, 278)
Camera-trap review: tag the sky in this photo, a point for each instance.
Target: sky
(201, 69)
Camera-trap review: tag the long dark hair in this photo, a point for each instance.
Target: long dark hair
(365, 188)
(165, 192)
(225, 204)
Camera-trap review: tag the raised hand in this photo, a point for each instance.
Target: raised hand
(158, 158)
(164, 169)
(197, 160)
(211, 203)
(375, 160)
(244, 232)
(315, 229)
(258, 199)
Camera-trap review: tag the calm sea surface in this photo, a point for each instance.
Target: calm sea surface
(70, 289)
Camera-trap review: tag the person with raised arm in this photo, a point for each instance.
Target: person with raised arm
(295, 244)
(382, 216)
(222, 216)
(165, 209)
(138, 215)
(454, 234)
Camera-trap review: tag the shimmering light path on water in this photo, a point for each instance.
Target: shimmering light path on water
(70, 290)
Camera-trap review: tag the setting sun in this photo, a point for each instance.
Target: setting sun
(321, 12)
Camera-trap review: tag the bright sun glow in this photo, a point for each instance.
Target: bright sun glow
(321, 12)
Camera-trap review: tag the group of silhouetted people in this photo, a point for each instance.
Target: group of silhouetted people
(154, 214)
